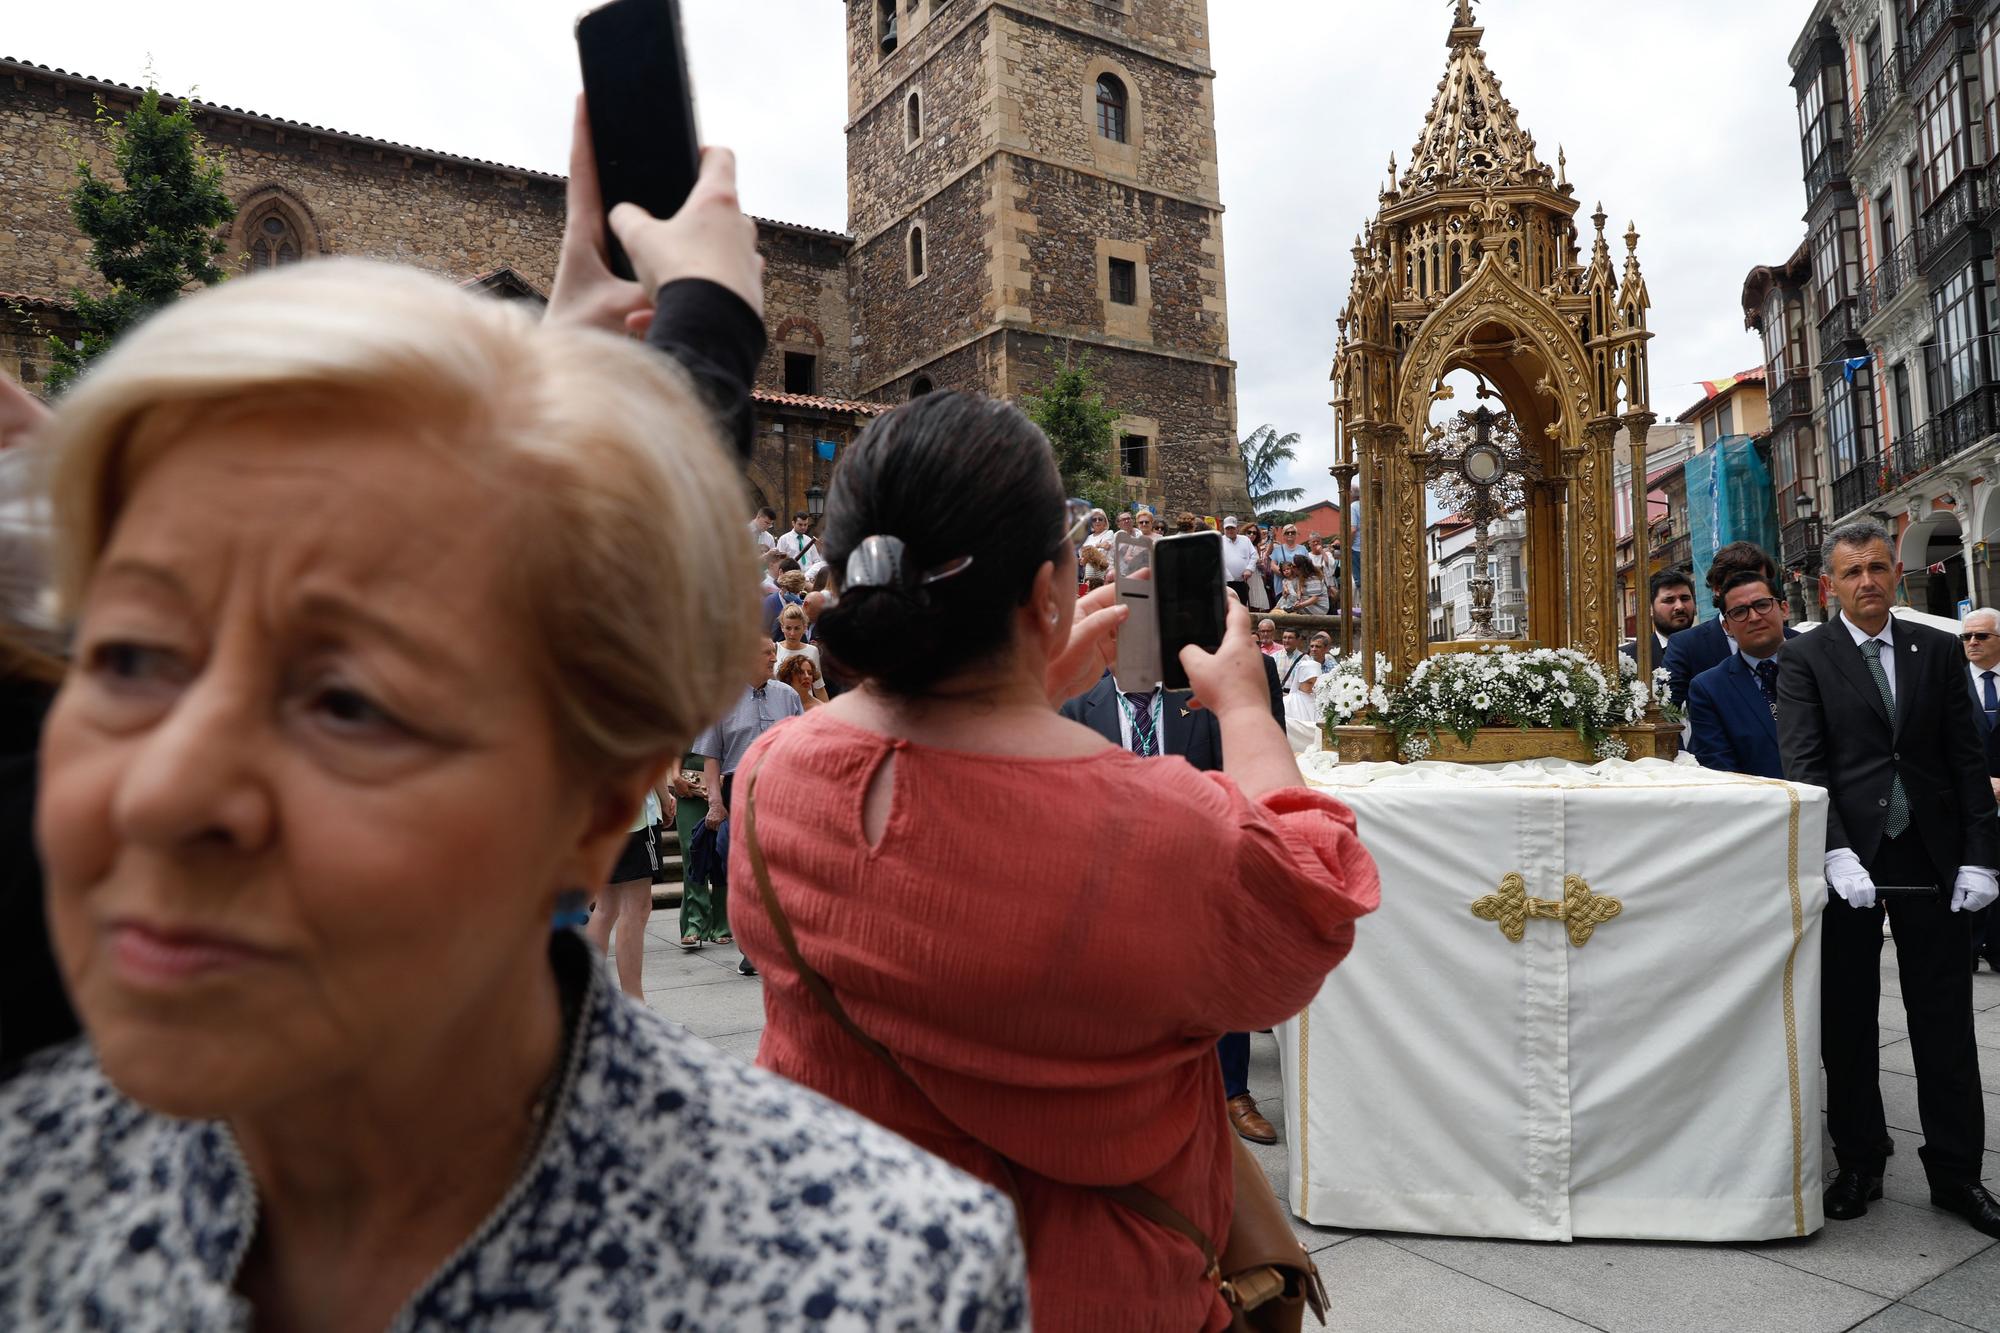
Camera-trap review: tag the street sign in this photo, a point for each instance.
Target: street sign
(1964, 607)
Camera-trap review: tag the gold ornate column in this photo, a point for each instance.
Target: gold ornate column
(1596, 558)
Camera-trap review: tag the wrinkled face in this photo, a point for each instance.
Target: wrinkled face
(1982, 640)
(1267, 632)
(1320, 646)
(1673, 608)
(764, 660)
(1312, 544)
(1289, 640)
(302, 746)
(1755, 618)
(1146, 523)
(1864, 578)
(1124, 522)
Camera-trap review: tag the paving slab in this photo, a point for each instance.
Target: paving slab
(1909, 1319)
(1899, 1105)
(1639, 1287)
(714, 1011)
(739, 1045)
(1374, 1287)
(1969, 1293)
(1892, 1251)
(1898, 1056)
(1986, 1030)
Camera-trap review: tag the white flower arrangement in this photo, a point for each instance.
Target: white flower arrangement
(1557, 689)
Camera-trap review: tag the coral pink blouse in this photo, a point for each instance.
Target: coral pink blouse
(1051, 948)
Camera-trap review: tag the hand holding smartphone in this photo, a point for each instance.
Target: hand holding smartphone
(1175, 590)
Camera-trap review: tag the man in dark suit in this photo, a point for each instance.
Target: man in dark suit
(1695, 650)
(1732, 708)
(1876, 711)
(1169, 723)
(1981, 636)
(1671, 593)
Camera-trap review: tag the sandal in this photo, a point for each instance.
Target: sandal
(690, 943)
(725, 939)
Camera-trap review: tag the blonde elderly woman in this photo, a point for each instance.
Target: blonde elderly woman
(389, 608)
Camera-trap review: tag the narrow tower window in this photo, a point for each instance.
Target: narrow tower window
(916, 253)
(1124, 287)
(913, 122)
(1111, 108)
(921, 386)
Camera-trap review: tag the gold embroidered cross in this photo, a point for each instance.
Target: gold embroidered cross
(1580, 909)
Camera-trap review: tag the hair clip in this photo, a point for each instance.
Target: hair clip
(878, 563)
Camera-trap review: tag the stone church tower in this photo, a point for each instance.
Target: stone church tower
(1034, 178)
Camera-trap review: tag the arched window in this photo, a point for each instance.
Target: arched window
(913, 119)
(1112, 119)
(920, 386)
(273, 240)
(916, 253)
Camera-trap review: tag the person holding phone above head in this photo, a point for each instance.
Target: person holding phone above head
(971, 877)
(320, 800)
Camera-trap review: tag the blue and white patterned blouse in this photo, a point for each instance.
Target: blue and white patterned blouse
(675, 1189)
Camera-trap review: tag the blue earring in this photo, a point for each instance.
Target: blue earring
(572, 910)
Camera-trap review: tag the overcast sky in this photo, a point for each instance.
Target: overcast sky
(1676, 113)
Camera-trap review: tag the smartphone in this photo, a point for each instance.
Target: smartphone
(635, 82)
(1192, 599)
(1137, 668)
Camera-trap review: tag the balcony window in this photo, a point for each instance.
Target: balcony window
(1989, 81)
(1836, 260)
(1942, 138)
(1814, 127)
(1961, 359)
(1850, 421)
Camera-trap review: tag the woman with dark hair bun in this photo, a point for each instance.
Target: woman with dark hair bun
(989, 929)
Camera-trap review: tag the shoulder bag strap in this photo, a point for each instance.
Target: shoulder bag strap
(1137, 1198)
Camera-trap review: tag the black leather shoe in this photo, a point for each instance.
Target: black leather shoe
(1850, 1193)
(1971, 1202)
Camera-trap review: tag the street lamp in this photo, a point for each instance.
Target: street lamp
(1804, 504)
(816, 502)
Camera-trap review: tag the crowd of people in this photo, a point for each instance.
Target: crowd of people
(333, 807)
(1897, 721)
(1267, 570)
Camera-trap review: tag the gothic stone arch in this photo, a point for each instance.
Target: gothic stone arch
(267, 201)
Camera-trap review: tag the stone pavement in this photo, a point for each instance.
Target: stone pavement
(1905, 1268)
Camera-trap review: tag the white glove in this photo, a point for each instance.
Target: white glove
(1977, 888)
(1846, 877)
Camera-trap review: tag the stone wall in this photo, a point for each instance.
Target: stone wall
(887, 175)
(904, 324)
(805, 304)
(1051, 73)
(347, 195)
(1076, 212)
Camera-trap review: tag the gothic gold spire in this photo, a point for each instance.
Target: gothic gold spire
(1473, 136)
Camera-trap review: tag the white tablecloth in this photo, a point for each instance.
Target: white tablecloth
(1660, 1081)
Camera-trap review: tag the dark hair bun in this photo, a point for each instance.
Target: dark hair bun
(950, 475)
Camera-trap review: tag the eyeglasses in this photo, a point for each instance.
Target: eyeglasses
(1763, 606)
(1975, 636)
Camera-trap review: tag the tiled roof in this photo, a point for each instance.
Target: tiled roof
(95, 82)
(29, 298)
(818, 404)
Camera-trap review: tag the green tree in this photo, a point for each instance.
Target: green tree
(1263, 453)
(152, 237)
(1071, 411)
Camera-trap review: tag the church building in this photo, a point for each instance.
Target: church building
(1028, 180)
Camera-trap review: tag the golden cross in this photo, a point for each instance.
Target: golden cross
(1580, 909)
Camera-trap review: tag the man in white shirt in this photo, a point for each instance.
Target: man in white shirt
(1876, 711)
(760, 528)
(801, 545)
(1239, 557)
(1125, 522)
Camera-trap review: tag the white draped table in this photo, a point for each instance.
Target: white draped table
(1652, 1073)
